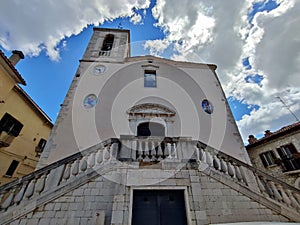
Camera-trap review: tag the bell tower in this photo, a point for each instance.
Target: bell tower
(108, 45)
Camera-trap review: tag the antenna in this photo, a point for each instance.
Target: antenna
(288, 108)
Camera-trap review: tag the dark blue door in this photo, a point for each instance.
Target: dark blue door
(158, 207)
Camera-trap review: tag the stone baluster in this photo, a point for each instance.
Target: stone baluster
(277, 195)
(297, 197)
(199, 153)
(223, 168)
(67, 172)
(169, 150)
(216, 163)
(114, 148)
(146, 151)
(284, 195)
(261, 186)
(75, 169)
(237, 172)
(1, 197)
(153, 151)
(294, 202)
(174, 150)
(243, 174)
(40, 184)
(165, 150)
(8, 200)
(159, 152)
(208, 158)
(140, 150)
(230, 169)
(100, 156)
(92, 160)
(106, 153)
(132, 145)
(19, 196)
(30, 189)
(84, 164)
(269, 190)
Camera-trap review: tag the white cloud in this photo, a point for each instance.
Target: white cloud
(205, 31)
(156, 46)
(219, 32)
(34, 25)
(136, 19)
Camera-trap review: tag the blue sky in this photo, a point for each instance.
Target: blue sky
(240, 39)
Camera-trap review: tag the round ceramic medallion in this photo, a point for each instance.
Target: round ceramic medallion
(90, 101)
(99, 69)
(207, 106)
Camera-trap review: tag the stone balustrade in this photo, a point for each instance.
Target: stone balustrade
(36, 184)
(130, 149)
(148, 149)
(248, 176)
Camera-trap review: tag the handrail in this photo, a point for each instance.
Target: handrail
(34, 184)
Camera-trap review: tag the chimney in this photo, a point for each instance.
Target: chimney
(268, 133)
(252, 139)
(15, 57)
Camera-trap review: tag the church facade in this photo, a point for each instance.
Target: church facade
(145, 140)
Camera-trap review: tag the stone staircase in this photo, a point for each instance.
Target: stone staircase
(24, 195)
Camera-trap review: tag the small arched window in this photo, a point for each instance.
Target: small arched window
(150, 129)
(108, 42)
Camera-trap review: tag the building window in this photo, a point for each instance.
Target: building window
(12, 168)
(150, 78)
(10, 125)
(290, 158)
(108, 42)
(9, 129)
(40, 147)
(268, 158)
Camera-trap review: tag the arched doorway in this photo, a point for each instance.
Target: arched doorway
(150, 129)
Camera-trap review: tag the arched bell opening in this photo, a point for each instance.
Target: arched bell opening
(150, 129)
(108, 42)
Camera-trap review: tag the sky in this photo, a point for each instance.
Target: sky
(255, 44)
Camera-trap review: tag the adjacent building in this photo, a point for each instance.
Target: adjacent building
(144, 141)
(24, 127)
(278, 153)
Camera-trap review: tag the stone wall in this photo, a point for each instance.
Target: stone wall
(208, 201)
(276, 170)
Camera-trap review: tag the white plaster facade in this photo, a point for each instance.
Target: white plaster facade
(119, 85)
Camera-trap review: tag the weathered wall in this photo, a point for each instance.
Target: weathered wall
(276, 170)
(22, 148)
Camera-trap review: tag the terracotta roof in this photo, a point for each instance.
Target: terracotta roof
(17, 76)
(273, 135)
